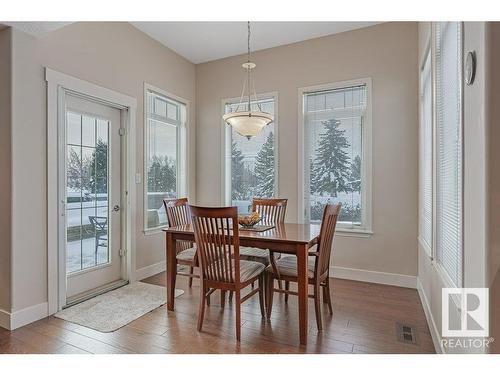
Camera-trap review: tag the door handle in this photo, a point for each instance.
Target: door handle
(116, 208)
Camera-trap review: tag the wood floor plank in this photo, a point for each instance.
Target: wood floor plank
(70, 349)
(86, 343)
(363, 321)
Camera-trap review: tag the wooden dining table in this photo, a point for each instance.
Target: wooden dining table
(286, 238)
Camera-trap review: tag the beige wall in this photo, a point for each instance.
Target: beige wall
(113, 55)
(5, 167)
(387, 53)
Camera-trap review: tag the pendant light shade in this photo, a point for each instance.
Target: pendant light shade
(248, 123)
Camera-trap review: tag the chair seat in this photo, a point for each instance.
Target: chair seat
(187, 255)
(248, 269)
(287, 266)
(254, 252)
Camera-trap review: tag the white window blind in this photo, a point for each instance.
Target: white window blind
(425, 173)
(448, 76)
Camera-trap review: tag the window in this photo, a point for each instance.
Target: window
(336, 165)
(448, 81)
(250, 165)
(425, 172)
(165, 154)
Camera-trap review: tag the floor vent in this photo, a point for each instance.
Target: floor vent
(406, 333)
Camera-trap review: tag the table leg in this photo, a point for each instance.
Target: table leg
(171, 270)
(303, 291)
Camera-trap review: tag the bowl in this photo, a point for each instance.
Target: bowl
(249, 221)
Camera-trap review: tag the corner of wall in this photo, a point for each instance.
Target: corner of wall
(6, 173)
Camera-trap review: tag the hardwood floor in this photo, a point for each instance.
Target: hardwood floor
(364, 321)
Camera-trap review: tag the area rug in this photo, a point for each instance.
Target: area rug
(112, 310)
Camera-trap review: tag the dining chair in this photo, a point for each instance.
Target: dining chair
(272, 212)
(219, 257)
(318, 266)
(178, 214)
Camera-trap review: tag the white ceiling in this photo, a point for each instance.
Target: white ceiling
(37, 28)
(205, 41)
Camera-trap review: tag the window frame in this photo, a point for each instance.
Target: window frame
(364, 230)
(441, 271)
(182, 152)
(428, 248)
(225, 175)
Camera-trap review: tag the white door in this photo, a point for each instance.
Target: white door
(93, 194)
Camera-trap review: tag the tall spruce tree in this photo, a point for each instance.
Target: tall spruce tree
(331, 168)
(99, 165)
(74, 170)
(237, 173)
(356, 174)
(161, 174)
(264, 169)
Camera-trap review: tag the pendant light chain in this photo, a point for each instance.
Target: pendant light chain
(251, 84)
(248, 41)
(248, 68)
(248, 123)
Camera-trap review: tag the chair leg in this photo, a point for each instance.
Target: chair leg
(317, 306)
(326, 291)
(261, 295)
(287, 287)
(207, 297)
(238, 315)
(231, 296)
(280, 284)
(201, 313)
(222, 298)
(270, 294)
(191, 278)
(253, 285)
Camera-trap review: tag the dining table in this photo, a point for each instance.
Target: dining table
(287, 238)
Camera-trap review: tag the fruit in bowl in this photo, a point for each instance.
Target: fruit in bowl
(248, 221)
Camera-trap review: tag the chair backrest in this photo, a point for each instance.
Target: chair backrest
(272, 210)
(217, 247)
(177, 212)
(325, 241)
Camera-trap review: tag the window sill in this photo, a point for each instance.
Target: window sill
(347, 232)
(153, 231)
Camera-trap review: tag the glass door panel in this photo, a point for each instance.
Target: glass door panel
(87, 206)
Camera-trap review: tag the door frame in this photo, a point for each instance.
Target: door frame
(58, 84)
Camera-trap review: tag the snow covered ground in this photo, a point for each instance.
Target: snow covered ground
(81, 255)
(78, 213)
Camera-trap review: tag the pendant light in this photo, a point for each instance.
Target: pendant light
(248, 123)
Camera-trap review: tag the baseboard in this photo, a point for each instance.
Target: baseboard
(4, 319)
(145, 272)
(395, 279)
(436, 337)
(28, 315)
